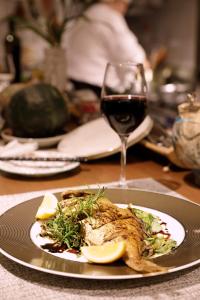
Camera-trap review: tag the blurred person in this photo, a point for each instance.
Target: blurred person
(102, 36)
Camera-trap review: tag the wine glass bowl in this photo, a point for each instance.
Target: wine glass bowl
(123, 102)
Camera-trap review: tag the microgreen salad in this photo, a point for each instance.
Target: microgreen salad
(157, 238)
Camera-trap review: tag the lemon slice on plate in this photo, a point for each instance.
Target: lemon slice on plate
(106, 253)
(48, 207)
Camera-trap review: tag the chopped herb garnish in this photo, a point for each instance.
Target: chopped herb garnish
(65, 227)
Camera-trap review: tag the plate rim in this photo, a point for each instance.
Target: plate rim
(42, 142)
(102, 277)
(71, 166)
(98, 277)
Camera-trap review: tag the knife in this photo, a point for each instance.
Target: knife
(33, 158)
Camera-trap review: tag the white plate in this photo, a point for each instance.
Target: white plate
(38, 168)
(42, 142)
(175, 229)
(96, 139)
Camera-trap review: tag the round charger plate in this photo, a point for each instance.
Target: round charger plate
(42, 142)
(17, 244)
(96, 139)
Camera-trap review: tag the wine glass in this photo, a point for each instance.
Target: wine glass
(124, 102)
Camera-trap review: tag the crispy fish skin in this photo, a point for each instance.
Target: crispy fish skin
(68, 198)
(111, 223)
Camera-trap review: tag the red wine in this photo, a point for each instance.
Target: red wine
(124, 112)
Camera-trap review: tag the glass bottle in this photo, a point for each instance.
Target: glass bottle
(13, 49)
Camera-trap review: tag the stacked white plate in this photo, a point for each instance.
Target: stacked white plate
(96, 139)
(32, 168)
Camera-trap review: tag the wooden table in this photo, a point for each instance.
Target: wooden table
(142, 163)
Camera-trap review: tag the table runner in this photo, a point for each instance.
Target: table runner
(19, 282)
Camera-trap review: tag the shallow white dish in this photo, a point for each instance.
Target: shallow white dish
(42, 142)
(175, 229)
(96, 139)
(38, 168)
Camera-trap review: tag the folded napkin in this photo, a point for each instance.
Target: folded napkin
(15, 148)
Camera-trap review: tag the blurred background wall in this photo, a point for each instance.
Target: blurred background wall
(172, 24)
(169, 24)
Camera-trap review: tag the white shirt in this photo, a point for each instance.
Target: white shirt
(91, 43)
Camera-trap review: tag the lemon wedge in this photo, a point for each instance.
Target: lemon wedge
(106, 253)
(48, 207)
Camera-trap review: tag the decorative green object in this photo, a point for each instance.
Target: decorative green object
(37, 111)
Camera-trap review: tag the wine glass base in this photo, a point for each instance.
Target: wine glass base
(122, 184)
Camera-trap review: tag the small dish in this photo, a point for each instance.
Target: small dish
(7, 136)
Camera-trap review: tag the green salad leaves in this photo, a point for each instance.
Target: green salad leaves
(157, 238)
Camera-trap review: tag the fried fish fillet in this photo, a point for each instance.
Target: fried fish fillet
(111, 223)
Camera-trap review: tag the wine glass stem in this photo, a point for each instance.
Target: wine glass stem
(123, 160)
